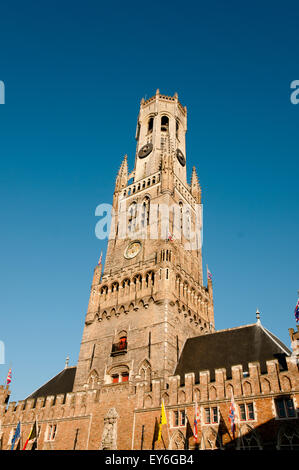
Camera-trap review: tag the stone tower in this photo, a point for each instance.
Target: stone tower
(150, 297)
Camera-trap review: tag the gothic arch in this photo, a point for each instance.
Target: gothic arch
(148, 401)
(122, 309)
(213, 393)
(93, 378)
(177, 441)
(288, 438)
(286, 383)
(229, 390)
(248, 438)
(247, 389)
(196, 394)
(181, 396)
(165, 398)
(266, 386)
(150, 279)
(210, 439)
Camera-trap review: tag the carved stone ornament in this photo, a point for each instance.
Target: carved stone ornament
(109, 437)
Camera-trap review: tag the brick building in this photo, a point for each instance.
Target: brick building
(149, 334)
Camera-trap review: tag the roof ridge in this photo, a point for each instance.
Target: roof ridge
(225, 329)
(273, 337)
(48, 381)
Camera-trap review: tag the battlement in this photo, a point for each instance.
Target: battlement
(243, 384)
(161, 97)
(251, 384)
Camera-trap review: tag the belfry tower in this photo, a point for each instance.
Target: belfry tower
(150, 296)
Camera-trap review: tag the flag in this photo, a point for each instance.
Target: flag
(156, 433)
(163, 420)
(100, 260)
(8, 378)
(32, 435)
(170, 237)
(189, 433)
(232, 415)
(16, 435)
(196, 422)
(297, 312)
(209, 274)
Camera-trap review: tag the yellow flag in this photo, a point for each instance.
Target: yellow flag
(163, 420)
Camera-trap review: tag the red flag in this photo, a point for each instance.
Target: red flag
(196, 422)
(32, 435)
(8, 378)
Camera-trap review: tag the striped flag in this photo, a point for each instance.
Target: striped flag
(16, 435)
(8, 378)
(232, 415)
(32, 435)
(209, 274)
(297, 312)
(196, 422)
(100, 260)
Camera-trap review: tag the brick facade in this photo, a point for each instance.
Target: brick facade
(142, 309)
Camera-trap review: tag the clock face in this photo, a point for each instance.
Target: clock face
(180, 157)
(145, 150)
(132, 249)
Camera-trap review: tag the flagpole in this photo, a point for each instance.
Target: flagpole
(36, 432)
(167, 428)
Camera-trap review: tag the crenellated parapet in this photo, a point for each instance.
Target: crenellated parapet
(51, 407)
(251, 383)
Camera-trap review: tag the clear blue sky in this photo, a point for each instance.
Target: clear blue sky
(75, 73)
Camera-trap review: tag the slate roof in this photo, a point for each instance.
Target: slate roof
(61, 383)
(225, 348)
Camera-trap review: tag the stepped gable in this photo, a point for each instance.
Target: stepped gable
(61, 383)
(226, 348)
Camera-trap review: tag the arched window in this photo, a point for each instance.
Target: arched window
(150, 125)
(119, 374)
(115, 287)
(150, 279)
(164, 124)
(138, 281)
(132, 211)
(145, 212)
(187, 224)
(177, 125)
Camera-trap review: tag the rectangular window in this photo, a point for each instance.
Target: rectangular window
(115, 379)
(242, 412)
(125, 377)
(51, 432)
(280, 408)
(285, 408)
(179, 418)
(176, 418)
(250, 411)
(290, 408)
(215, 414)
(246, 411)
(182, 418)
(207, 415)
